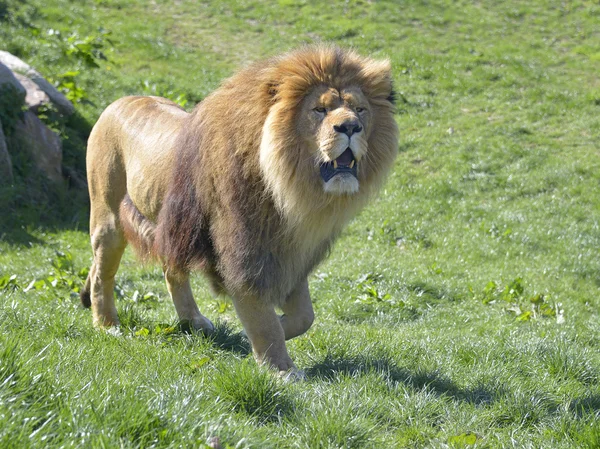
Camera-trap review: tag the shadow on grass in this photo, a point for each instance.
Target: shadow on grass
(227, 339)
(18, 236)
(331, 367)
(223, 337)
(59, 208)
(586, 405)
(431, 293)
(32, 202)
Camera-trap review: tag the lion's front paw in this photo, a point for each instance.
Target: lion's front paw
(202, 325)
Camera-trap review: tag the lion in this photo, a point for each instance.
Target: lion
(251, 188)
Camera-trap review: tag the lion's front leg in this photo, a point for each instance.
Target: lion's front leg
(264, 330)
(298, 314)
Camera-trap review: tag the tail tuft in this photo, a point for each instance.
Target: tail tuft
(84, 294)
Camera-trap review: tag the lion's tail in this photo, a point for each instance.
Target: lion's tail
(138, 230)
(85, 292)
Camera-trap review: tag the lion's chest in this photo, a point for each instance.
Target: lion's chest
(304, 247)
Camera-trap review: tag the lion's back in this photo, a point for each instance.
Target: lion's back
(132, 149)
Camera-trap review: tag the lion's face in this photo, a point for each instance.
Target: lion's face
(329, 137)
(335, 126)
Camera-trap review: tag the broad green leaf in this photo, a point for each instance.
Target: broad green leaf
(143, 332)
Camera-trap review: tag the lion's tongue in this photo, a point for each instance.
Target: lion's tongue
(345, 158)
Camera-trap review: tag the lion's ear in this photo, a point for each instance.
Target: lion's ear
(271, 81)
(272, 88)
(269, 91)
(378, 77)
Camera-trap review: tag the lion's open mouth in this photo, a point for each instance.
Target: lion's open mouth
(344, 164)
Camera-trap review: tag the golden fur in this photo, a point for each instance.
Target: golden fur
(251, 188)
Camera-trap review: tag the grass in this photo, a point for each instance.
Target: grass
(468, 316)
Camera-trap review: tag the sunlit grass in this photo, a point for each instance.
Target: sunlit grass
(469, 311)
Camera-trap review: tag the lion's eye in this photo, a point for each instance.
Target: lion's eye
(359, 110)
(320, 110)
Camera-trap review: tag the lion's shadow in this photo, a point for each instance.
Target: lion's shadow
(585, 405)
(223, 337)
(227, 339)
(332, 367)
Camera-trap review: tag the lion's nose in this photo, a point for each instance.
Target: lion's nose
(348, 128)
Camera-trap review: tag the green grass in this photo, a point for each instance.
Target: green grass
(459, 310)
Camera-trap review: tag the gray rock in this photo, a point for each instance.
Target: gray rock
(35, 96)
(7, 77)
(42, 144)
(6, 174)
(18, 66)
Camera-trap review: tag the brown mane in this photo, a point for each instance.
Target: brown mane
(217, 172)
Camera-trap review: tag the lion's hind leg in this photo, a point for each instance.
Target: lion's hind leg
(108, 244)
(178, 284)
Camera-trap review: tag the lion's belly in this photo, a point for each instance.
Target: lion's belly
(147, 184)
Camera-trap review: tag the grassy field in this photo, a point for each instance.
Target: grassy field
(461, 309)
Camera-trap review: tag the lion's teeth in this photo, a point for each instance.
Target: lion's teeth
(335, 164)
(352, 164)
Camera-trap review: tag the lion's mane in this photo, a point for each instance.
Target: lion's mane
(245, 204)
